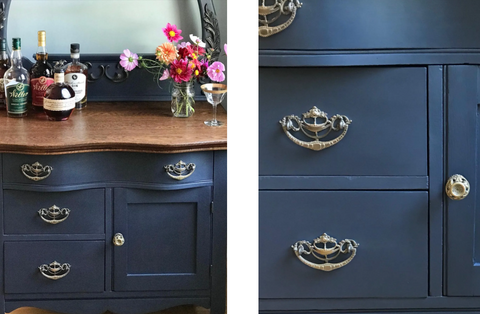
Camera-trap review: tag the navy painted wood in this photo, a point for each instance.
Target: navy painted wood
(391, 227)
(22, 260)
(463, 252)
(387, 106)
(87, 212)
(104, 167)
(376, 24)
(167, 239)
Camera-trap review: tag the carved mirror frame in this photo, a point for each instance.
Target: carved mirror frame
(106, 74)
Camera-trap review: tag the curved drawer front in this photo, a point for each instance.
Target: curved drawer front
(371, 24)
(383, 112)
(106, 167)
(80, 264)
(389, 228)
(75, 212)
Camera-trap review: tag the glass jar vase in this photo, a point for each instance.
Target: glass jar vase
(183, 99)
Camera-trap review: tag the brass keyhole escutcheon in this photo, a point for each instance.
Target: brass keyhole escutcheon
(457, 187)
(118, 239)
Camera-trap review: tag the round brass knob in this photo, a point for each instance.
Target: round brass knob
(457, 187)
(118, 239)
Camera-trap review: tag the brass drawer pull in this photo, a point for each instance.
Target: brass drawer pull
(180, 170)
(328, 251)
(280, 7)
(312, 130)
(55, 270)
(118, 239)
(457, 187)
(54, 215)
(37, 171)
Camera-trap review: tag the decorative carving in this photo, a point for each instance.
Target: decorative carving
(117, 77)
(54, 215)
(457, 187)
(211, 26)
(2, 15)
(37, 171)
(180, 170)
(280, 7)
(91, 77)
(312, 130)
(328, 250)
(54, 270)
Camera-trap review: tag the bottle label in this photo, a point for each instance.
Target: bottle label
(58, 104)
(78, 81)
(2, 92)
(17, 97)
(38, 87)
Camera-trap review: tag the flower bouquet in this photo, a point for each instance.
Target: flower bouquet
(183, 64)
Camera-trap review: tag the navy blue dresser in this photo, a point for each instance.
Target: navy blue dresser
(98, 219)
(368, 166)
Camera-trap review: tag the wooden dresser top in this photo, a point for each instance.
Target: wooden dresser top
(115, 126)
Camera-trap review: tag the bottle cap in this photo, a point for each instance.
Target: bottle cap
(16, 43)
(3, 44)
(41, 38)
(59, 66)
(75, 48)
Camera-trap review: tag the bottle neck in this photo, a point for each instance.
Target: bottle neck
(42, 54)
(59, 78)
(17, 58)
(75, 57)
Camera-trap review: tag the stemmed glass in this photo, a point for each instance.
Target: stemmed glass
(215, 94)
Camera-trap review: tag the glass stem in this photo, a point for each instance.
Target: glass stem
(215, 114)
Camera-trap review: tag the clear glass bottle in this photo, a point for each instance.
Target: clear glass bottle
(4, 66)
(17, 83)
(76, 76)
(41, 73)
(59, 100)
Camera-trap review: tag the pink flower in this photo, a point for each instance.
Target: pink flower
(215, 71)
(225, 48)
(166, 75)
(180, 71)
(128, 60)
(172, 33)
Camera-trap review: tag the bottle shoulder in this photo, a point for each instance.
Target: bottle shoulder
(40, 69)
(59, 91)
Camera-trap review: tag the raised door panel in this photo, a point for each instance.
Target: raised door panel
(390, 228)
(463, 141)
(387, 135)
(167, 239)
(373, 24)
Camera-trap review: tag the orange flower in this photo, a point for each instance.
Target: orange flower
(166, 53)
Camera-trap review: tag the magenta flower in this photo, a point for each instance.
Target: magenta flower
(128, 60)
(215, 71)
(172, 33)
(180, 71)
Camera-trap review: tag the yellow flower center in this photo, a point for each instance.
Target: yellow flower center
(217, 70)
(194, 56)
(179, 71)
(172, 34)
(196, 72)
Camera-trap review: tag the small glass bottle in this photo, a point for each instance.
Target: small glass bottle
(4, 65)
(41, 74)
(17, 83)
(59, 100)
(76, 76)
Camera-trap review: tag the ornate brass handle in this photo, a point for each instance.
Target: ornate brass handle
(315, 131)
(36, 171)
(280, 7)
(457, 187)
(328, 250)
(118, 239)
(54, 215)
(180, 170)
(55, 270)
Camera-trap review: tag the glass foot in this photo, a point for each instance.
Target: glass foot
(213, 123)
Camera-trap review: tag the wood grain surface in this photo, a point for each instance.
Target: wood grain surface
(115, 126)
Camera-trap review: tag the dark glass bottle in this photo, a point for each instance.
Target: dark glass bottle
(41, 74)
(4, 65)
(76, 76)
(59, 100)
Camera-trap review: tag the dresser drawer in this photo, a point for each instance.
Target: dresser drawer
(106, 167)
(23, 259)
(370, 24)
(390, 228)
(74, 212)
(387, 135)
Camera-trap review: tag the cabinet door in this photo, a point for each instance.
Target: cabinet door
(166, 239)
(462, 142)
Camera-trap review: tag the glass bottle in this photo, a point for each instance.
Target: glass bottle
(41, 74)
(17, 83)
(4, 65)
(59, 100)
(76, 76)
